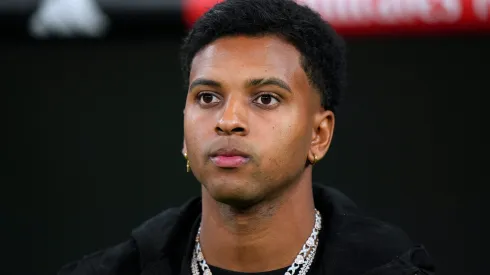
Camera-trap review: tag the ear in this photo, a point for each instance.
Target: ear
(184, 149)
(323, 127)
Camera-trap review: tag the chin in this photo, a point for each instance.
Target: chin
(236, 193)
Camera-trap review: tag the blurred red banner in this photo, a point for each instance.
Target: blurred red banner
(385, 17)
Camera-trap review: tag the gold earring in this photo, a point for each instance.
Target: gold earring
(315, 160)
(188, 164)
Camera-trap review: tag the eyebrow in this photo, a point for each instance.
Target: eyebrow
(204, 82)
(253, 82)
(268, 81)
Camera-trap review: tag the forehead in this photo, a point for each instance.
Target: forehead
(244, 57)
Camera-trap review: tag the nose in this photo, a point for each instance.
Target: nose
(233, 120)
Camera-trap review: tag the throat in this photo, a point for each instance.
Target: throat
(276, 233)
(274, 244)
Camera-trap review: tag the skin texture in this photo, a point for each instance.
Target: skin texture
(251, 94)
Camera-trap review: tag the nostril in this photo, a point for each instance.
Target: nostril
(219, 130)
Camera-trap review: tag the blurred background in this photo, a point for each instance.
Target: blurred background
(92, 101)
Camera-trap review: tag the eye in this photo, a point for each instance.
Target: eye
(267, 100)
(208, 99)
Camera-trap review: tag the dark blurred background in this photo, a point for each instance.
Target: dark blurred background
(92, 135)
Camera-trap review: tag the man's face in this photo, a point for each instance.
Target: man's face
(249, 118)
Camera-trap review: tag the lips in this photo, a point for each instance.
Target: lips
(229, 158)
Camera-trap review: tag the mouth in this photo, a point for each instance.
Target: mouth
(229, 158)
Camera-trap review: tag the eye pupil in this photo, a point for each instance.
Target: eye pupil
(266, 99)
(207, 98)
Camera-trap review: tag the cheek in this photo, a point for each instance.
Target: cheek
(199, 133)
(196, 128)
(289, 143)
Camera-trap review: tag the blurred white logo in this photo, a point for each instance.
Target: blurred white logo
(68, 18)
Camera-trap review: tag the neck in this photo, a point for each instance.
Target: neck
(265, 237)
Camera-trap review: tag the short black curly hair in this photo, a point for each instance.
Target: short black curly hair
(322, 50)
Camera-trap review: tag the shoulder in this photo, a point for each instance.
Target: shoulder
(147, 244)
(119, 259)
(376, 247)
(359, 244)
(373, 238)
(350, 228)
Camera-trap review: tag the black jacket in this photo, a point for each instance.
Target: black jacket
(351, 244)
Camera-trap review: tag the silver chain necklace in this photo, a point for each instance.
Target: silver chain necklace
(302, 262)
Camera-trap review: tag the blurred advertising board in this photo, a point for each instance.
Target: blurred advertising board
(386, 17)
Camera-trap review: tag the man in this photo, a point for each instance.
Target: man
(264, 78)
